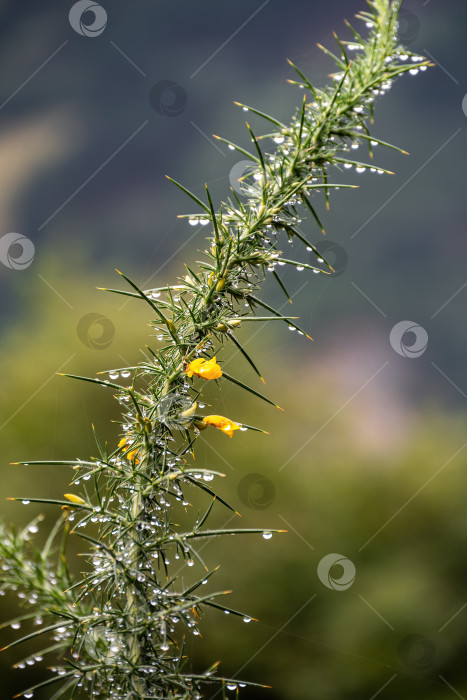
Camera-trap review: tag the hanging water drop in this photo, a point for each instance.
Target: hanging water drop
(267, 535)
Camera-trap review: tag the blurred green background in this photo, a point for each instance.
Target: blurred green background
(368, 459)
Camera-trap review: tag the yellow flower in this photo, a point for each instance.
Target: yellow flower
(130, 455)
(74, 499)
(122, 442)
(225, 424)
(208, 369)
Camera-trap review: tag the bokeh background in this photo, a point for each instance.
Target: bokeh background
(369, 459)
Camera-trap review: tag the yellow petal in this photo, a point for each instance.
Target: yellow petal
(207, 369)
(221, 423)
(190, 411)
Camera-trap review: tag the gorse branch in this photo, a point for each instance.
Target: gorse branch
(120, 629)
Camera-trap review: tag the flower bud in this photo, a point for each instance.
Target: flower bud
(74, 499)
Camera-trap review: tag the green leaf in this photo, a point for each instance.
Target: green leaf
(190, 194)
(255, 300)
(245, 354)
(248, 388)
(263, 115)
(239, 149)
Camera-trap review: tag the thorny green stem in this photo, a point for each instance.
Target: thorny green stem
(125, 621)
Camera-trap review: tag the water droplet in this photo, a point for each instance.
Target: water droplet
(15, 625)
(25, 503)
(247, 619)
(165, 647)
(243, 429)
(125, 374)
(279, 139)
(267, 535)
(113, 375)
(291, 328)
(204, 222)
(34, 529)
(190, 562)
(360, 170)
(193, 222)
(231, 686)
(28, 695)
(232, 148)
(300, 268)
(347, 166)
